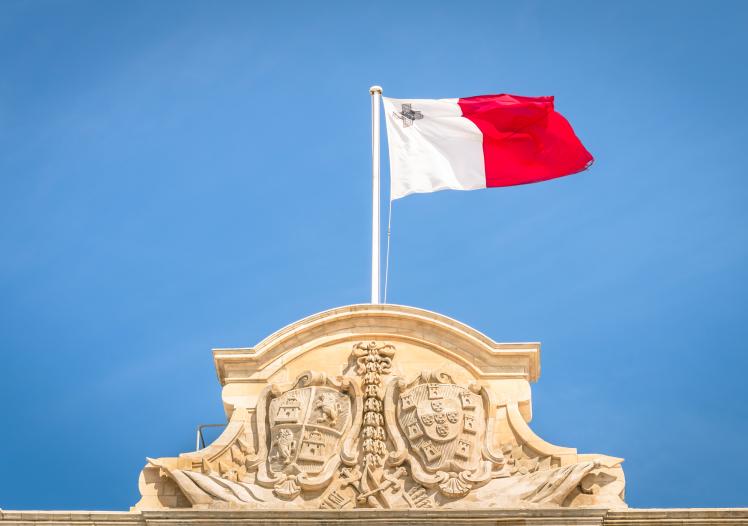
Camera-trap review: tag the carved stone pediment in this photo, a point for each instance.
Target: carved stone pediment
(384, 407)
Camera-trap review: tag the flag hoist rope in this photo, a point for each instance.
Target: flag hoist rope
(376, 97)
(387, 253)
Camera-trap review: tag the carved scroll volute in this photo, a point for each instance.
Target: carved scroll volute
(306, 430)
(261, 412)
(489, 453)
(349, 454)
(391, 397)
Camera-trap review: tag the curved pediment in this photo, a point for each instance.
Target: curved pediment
(324, 339)
(380, 406)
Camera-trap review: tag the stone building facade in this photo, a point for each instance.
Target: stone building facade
(381, 413)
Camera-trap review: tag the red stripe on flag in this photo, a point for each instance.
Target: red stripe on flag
(524, 139)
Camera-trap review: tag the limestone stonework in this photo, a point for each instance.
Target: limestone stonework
(380, 414)
(358, 517)
(380, 407)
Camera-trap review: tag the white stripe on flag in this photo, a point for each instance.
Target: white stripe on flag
(437, 149)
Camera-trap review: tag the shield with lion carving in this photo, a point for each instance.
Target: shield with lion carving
(307, 428)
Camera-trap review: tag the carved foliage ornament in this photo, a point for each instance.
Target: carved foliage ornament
(370, 484)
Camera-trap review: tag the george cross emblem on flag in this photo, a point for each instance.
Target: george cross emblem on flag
(408, 115)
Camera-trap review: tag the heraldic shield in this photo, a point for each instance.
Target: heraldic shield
(444, 426)
(310, 429)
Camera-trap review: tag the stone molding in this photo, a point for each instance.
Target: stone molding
(380, 407)
(243, 372)
(541, 516)
(477, 351)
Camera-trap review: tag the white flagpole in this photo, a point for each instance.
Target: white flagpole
(376, 95)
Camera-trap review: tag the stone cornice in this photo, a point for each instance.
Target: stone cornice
(550, 517)
(487, 358)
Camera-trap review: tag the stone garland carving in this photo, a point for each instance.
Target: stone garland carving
(370, 484)
(354, 441)
(372, 362)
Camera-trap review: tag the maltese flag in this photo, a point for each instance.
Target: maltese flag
(478, 142)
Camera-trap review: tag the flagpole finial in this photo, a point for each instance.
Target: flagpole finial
(375, 89)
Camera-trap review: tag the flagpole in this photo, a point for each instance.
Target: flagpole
(376, 95)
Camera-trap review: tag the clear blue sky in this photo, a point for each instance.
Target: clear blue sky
(176, 176)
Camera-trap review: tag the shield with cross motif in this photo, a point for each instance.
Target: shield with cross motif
(408, 115)
(444, 425)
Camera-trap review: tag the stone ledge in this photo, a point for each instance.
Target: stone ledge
(550, 516)
(664, 516)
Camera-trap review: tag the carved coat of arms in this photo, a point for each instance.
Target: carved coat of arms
(307, 433)
(378, 441)
(442, 427)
